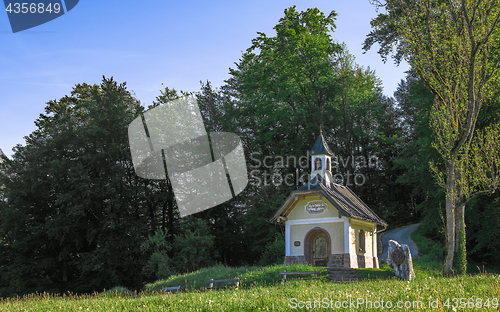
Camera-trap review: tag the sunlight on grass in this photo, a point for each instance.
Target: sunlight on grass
(262, 288)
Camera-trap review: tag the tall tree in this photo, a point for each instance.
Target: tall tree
(453, 45)
(286, 88)
(284, 85)
(161, 190)
(75, 216)
(227, 221)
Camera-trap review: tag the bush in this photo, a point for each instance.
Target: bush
(194, 249)
(159, 262)
(274, 253)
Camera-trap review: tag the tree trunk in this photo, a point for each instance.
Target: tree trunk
(170, 215)
(450, 236)
(460, 248)
(450, 221)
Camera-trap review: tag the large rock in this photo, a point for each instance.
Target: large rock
(399, 259)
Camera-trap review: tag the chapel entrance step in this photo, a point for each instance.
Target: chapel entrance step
(342, 275)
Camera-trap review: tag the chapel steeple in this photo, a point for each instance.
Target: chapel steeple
(321, 158)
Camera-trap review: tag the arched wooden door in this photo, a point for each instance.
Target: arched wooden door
(320, 249)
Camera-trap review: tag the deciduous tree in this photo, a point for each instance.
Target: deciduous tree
(453, 45)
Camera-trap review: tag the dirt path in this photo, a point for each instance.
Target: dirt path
(402, 236)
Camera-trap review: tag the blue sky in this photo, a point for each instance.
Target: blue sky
(147, 43)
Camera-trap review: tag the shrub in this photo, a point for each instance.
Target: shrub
(159, 263)
(194, 249)
(274, 253)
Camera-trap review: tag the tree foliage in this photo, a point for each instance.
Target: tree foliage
(194, 248)
(73, 218)
(159, 264)
(453, 47)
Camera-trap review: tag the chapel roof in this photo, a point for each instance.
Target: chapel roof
(341, 197)
(320, 147)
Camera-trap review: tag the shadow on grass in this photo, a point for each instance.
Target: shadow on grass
(250, 276)
(385, 272)
(255, 276)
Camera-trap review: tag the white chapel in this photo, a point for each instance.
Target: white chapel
(326, 224)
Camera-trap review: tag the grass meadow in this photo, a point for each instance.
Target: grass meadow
(262, 289)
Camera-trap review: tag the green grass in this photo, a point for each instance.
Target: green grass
(263, 289)
(278, 297)
(119, 292)
(250, 277)
(385, 272)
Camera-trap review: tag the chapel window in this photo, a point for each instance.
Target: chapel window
(362, 241)
(318, 164)
(320, 246)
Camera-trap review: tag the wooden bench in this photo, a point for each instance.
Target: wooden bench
(211, 282)
(285, 273)
(171, 288)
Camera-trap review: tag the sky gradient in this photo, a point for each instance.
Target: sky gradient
(147, 43)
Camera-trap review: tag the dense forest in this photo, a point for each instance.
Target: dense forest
(75, 217)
